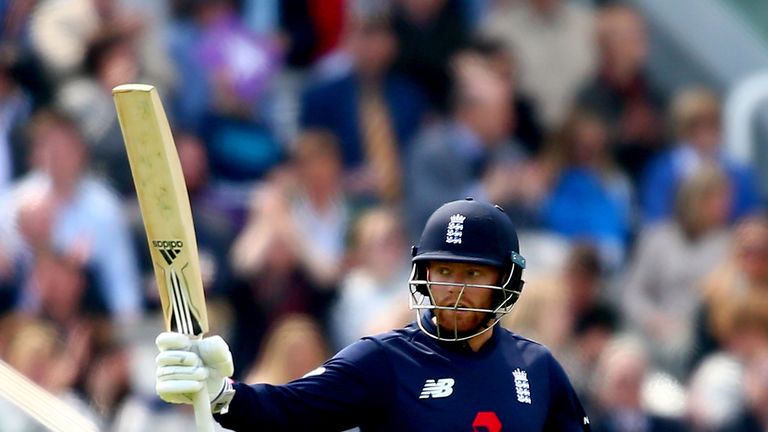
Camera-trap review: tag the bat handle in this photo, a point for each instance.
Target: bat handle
(203, 416)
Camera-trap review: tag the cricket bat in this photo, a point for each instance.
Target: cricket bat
(165, 209)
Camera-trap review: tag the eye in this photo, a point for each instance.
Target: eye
(444, 271)
(474, 273)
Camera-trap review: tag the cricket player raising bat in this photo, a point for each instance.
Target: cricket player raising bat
(453, 369)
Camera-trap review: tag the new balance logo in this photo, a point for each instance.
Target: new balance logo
(169, 249)
(437, 389)
(455, 229)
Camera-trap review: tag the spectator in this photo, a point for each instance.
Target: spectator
(473, 137)
(313, 28)
(696, 119)
(15, 106)
(215, 217)
(736, 291)
(110, 60)
(61, 29)
(62, 287)
(294, 346)
(87, 220)
(572, 297)
(590, 199)
(552, 43)
(305, 206)
(621, 373)
(622, 94)
(429, 33)
(373, 111)
(371, 298)
(226, 72)
(108, 386)
(524, 125)
(53, 360)
(290, 253)
(669, 264)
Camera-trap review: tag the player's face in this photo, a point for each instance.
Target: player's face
(458, 274)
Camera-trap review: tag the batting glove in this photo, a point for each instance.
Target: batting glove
(184, 365)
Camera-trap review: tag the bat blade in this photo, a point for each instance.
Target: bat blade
(165, 208)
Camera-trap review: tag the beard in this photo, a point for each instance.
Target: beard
(460, 322)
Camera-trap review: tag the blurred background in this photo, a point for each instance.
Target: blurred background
(622, 137)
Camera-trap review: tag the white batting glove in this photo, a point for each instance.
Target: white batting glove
(185, 364)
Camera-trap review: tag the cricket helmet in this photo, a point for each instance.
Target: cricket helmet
(467, 231)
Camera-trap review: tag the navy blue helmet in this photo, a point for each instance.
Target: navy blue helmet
(468, 231)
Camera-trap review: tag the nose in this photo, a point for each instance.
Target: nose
(456, 283)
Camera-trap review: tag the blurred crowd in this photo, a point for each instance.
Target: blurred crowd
(315, 139)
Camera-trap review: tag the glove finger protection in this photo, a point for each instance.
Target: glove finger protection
(185, 364)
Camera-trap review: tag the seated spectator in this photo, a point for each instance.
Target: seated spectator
(590, 199)
(661, 291)
(59, 31)
(552, 43)
(294, 346)
(372, 298)
(448, 160)
(86, 220)
(551, 308)
(429, 33)
(373, 111)
(696, 117)
(735, 293)
(225, 73)
(525, 125)
(621, 92)
(111, 59)
(621, 373)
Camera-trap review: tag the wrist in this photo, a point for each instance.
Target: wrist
(220, 403)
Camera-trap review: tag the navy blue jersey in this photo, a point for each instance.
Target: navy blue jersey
(406, 381)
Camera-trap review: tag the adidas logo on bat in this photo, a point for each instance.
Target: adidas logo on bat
(169, 249)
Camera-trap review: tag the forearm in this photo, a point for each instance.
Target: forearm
(282, 408)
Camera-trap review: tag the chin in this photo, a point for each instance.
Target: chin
(461, 321)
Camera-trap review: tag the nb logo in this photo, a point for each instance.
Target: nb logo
(437, 389)
(169, 249)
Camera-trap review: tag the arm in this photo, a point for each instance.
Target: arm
(351, 388)
(641, 280)
(117, 266)
(565, 410)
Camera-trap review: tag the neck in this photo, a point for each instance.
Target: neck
(478, 341)
(65, 190)
(620, 75)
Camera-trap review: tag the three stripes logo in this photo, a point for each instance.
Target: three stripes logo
(183, 319)
(169, 249)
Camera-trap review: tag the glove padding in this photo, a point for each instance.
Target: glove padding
(185, 364)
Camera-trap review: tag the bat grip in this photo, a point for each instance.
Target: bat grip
(203, 416)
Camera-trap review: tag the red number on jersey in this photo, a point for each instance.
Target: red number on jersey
(486, 421)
